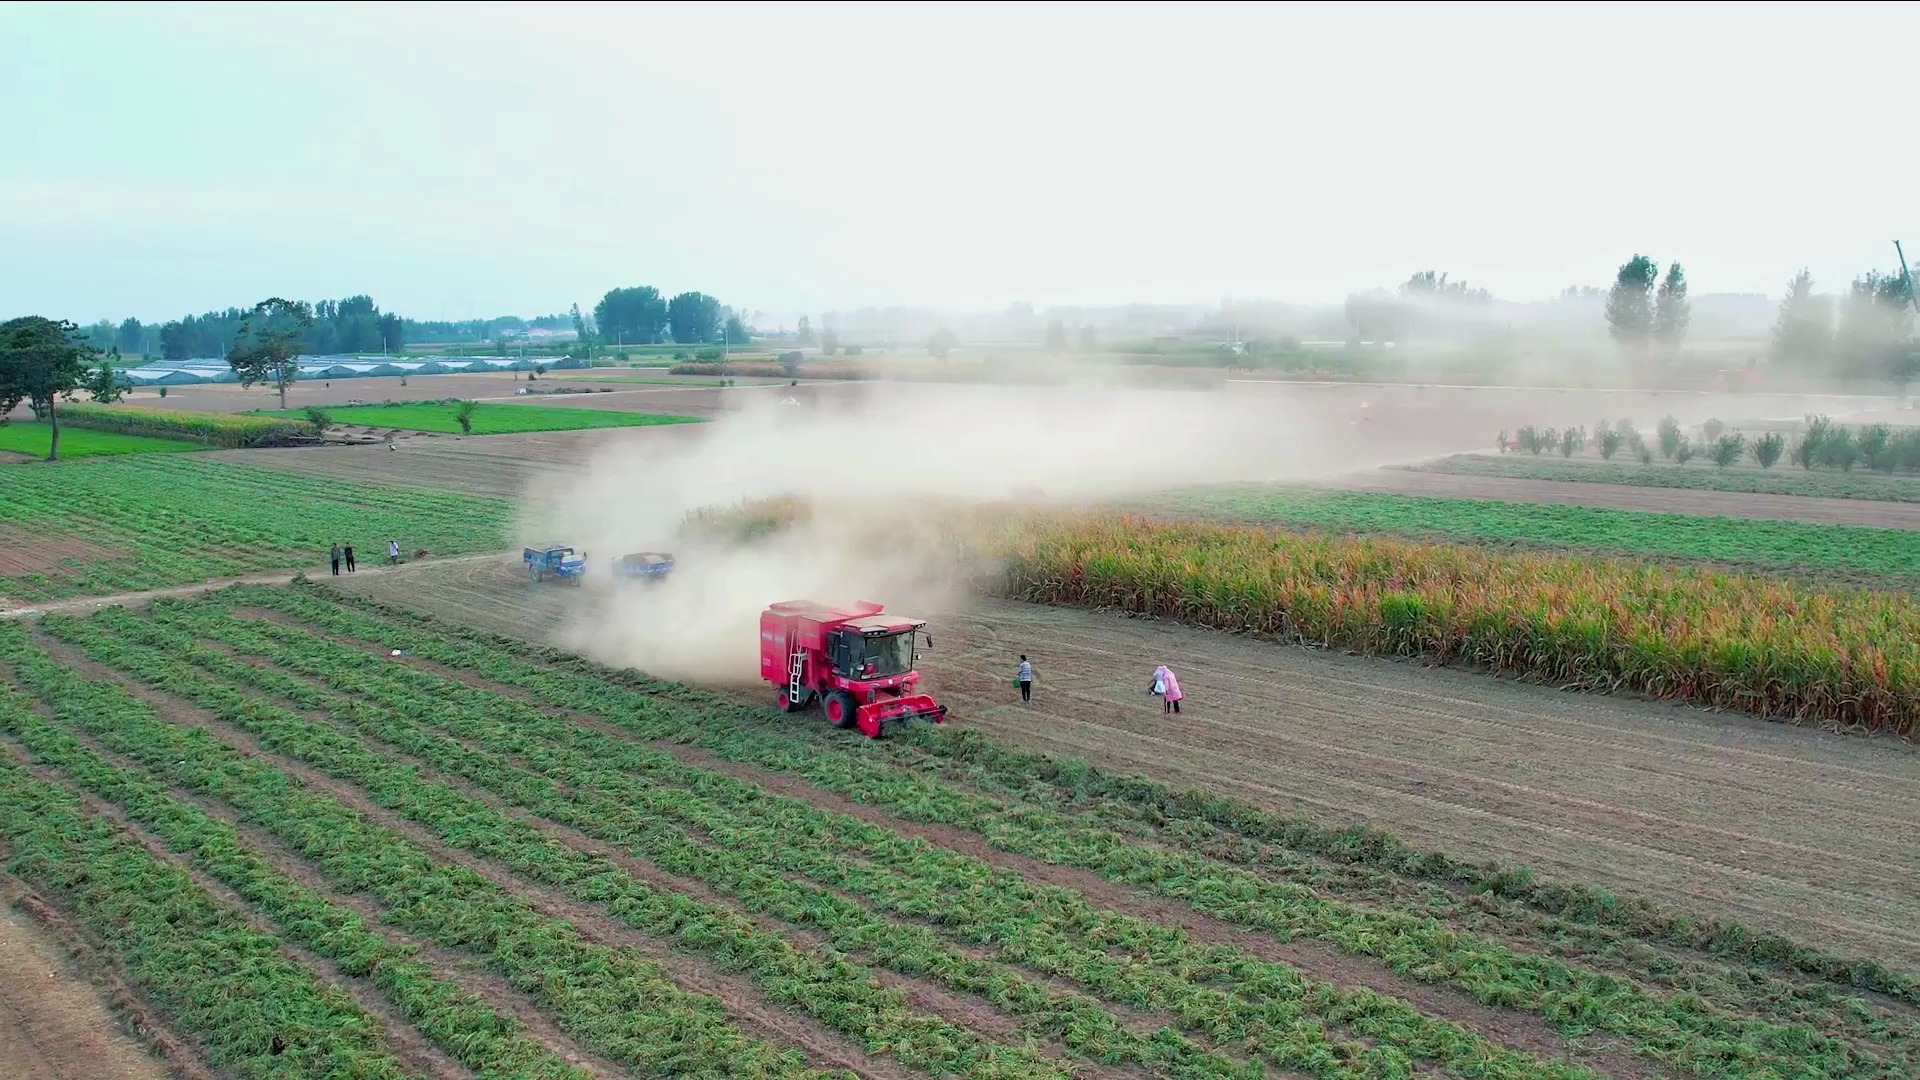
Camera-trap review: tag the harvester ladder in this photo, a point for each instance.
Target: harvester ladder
(796, 667)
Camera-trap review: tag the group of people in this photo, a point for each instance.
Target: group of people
(1165, 685)
(344, 553)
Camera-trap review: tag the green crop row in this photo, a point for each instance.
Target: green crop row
(1786, 545)
(835, 991)
(152, 521)
(214, 429)
(729, 834)
(1678, 1029)
(617, 1003)
(458, 1022)
(1361, 858)
(252, 1009)
(1825, 485)
(489, 418)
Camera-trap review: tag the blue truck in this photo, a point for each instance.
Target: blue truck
(643, 566)
(556, 561)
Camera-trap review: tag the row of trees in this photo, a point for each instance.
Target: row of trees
(1866, 333)
(643, 315)
(354, 324)
(1427, 304)
(1646, 314)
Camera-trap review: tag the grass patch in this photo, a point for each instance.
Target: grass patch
(504, 418)
(32, 437)
(1785, 545)
(1702, 477)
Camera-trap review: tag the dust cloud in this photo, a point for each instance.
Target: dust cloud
(882, 464)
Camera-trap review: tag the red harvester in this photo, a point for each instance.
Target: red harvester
(856, 662)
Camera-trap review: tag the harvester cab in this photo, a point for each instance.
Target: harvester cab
(856, 663)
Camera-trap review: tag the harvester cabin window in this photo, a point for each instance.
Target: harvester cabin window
(885, 656)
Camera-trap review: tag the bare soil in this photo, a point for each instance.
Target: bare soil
(23, 552)
(54, 1022)
(1792, 829)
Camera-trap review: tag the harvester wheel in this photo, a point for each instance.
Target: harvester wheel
(840, 709)
(534, 573)
(785, 705)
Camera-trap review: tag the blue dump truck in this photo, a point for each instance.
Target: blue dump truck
(643, 566)
(554, 561)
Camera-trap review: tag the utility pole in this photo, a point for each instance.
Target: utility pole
(1907, 276)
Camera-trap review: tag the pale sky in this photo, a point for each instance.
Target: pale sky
(469, 160)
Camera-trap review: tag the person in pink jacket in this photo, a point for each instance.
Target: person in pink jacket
(1167, 686)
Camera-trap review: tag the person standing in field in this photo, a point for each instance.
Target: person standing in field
(335, 556)
(1025, 679)
(393, 552)
(1167, 686)
(349, 554)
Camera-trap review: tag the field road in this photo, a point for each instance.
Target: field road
(1795, 830)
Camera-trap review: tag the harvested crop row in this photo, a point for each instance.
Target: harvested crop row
(622, 1006)
(838, 993)
(1679, 1029)
(730, 848)
(252, 1008)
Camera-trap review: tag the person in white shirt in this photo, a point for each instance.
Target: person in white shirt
(1025, 679)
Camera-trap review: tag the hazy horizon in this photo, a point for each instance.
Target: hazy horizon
(180, 159)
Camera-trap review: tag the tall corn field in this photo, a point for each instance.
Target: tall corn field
(1844, 657)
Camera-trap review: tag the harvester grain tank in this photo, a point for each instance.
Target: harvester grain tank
(855, 662)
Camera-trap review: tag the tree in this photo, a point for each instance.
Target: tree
(631, 316)
(1630, 310)
(829, 342)
(132, 338)
(1766, 449)
(176, 341)
(393, 332)
(1671, 311)
(42, 360)
(582, 330)
(1727, 448)
(1089, 340)
(1056, 340)
(463, 415)
(736, 331)
(694, 317)
(1610, 441)
(940, 345)
(1669, 436)
(268, 346)
(804, 336)
(1874, 336)
(1803, 334)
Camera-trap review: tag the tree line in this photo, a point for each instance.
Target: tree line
(643, 315)
(354, 324)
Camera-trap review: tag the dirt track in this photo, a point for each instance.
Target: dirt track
(1794, 830)
(54, 1023)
